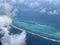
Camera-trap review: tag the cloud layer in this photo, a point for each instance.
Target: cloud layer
(17, 39)
(7, 11)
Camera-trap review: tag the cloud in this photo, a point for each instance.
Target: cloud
(19, 1)
(18, 39)
(43, 10)
(54, 12)
(5, 21)
(33, 4)
(5, 8)
(53, 2)
(49, 1)
(7, 11)
(14, 1)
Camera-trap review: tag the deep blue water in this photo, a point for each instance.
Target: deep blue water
(40, 18)
(35, 40)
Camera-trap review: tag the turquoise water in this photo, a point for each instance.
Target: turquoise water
(40, 29)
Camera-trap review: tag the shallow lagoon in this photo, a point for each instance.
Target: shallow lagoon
(44, 30)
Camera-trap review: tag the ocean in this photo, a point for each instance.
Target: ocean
(32, 39)
(35, 40)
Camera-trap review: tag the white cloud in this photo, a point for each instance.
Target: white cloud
(5, 22)
(21, 1)
(49, 1)
(14, 1)
(7, 8)
(43, 10)
(18, 1)
(54, 12)
(18, 39)
(33, 4)
(55, 2)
